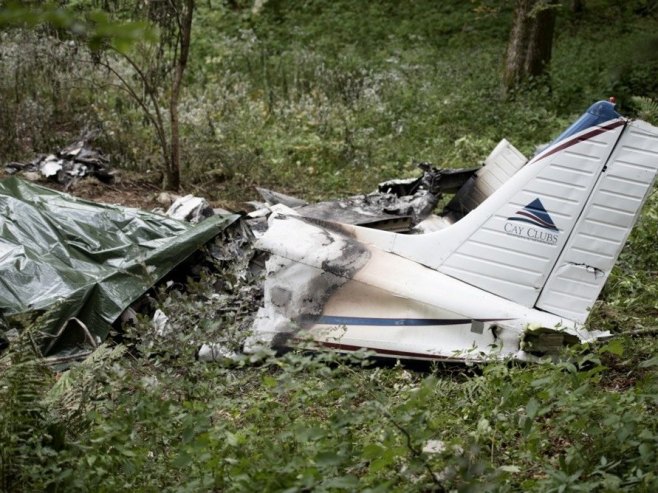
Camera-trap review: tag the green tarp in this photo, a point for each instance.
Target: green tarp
(78, 259)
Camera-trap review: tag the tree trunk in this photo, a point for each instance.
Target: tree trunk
(531, 41)
(172, 176)
(577, 6)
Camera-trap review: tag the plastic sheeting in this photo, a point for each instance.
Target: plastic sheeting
(81, 260)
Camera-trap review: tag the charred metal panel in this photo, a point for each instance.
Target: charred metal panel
(398, 205)
(296, 292)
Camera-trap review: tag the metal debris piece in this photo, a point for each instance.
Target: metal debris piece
(263, 212)
(503, 162)
(215, 352)
(160, 323)
(274, 198)
(435, 180)
(191, 209)
(377, 210)
(70, 163)
(165, 199)
(51, 166)
(398, 205)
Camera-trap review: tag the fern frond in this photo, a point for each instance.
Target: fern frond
(69, 395)
(647, 109)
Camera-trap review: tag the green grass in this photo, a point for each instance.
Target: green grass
(159, 421)
(328, 98)
(323, 99)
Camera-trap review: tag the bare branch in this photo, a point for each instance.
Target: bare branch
(157, 123)
(151, 92)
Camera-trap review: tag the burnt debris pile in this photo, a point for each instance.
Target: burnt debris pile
(67, 165)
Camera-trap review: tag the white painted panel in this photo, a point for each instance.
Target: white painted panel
(629, 188)
(513, 290)
(601, 232)
(610, 215)
(479, 250)
(582, 247)
(593, 230)
(618, 201)
(561, 183)
(503, 162)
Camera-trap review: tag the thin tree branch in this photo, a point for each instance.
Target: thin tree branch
(150, 91)
(174, 7)
(159, 127)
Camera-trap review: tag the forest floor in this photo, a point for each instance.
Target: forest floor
(325, 99)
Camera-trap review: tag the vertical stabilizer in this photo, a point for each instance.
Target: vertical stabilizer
(601, 231)
(512, 249)
(549, 236)
(509, 244)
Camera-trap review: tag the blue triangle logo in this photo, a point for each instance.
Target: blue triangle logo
(535, 213)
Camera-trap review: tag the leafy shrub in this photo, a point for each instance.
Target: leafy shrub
(43, 92)
(297, 98)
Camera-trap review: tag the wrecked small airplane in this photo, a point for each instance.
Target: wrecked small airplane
(512, 268)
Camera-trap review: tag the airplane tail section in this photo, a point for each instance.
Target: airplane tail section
(604, 225)
(516, 275)
(549, 236)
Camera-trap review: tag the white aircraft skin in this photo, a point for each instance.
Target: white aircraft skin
(526, 265)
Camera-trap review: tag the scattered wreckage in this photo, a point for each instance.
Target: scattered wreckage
(73, 162)
(517, 261)
(510, 268)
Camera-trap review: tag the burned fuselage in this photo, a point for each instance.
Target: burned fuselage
(512, 269)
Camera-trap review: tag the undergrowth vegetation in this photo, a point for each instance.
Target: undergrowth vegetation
(327, 98)
(322, 99)
(152, 419)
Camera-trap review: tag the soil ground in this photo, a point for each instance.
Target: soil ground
(128, 189)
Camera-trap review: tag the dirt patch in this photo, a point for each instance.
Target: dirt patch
(129, 192)
(129, 189)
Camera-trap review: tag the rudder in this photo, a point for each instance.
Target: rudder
(514, 239)
(601, 231)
